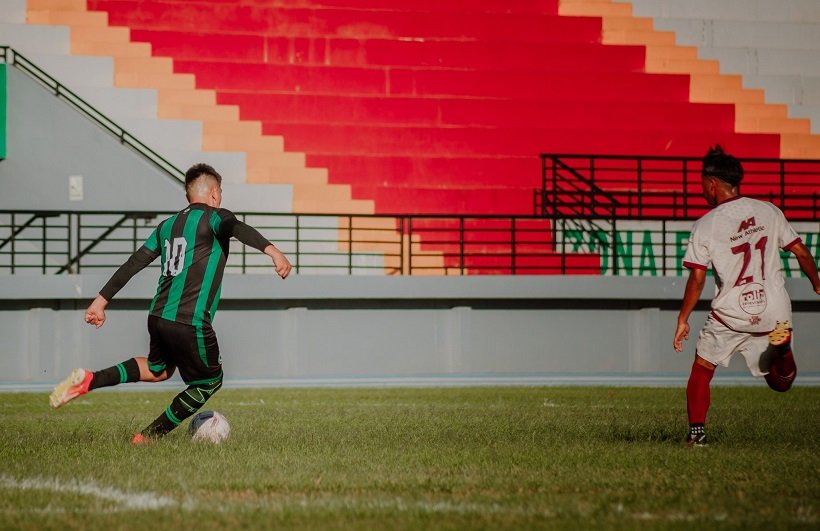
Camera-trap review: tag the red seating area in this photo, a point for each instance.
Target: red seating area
(432, 106)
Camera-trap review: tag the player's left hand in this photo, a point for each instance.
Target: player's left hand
(681, 335)
(280, 261)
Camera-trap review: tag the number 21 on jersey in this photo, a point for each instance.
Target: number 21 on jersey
(174, 257)
(746, 250)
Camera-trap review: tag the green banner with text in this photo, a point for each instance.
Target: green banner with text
(657, 248)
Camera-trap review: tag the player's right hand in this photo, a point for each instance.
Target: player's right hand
(681, 335)
(95, 314)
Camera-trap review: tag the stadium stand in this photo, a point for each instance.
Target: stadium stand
(774, 46)
(437, 110)
(366, 106)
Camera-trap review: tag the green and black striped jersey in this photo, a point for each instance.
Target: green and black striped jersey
(193, 245)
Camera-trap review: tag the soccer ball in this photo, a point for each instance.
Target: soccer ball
(209, 426)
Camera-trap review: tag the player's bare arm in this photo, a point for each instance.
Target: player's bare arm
(280, 261)
(807, 264)
(95, 314)
(694, 287)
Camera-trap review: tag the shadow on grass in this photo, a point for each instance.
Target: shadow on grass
(653, 434)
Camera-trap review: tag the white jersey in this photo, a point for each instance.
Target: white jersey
(741, 238)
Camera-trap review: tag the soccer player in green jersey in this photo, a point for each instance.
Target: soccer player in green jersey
(193, 246)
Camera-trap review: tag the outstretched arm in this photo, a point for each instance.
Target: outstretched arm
(807, 265)
(694, 287)
(280, 261)
(95, 314)
(250, 236)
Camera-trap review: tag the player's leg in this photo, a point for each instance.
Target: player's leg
(782, 367)
(716, 345)
(81, 381)
(196, 353)
(698, 399)
(181, 407)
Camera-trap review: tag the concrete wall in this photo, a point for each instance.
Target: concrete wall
(383, 329)
(48, 142)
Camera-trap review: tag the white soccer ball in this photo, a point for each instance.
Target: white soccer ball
(209, 426)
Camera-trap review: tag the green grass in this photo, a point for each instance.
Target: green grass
(455, 458)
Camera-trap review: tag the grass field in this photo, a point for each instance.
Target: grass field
(451, 458)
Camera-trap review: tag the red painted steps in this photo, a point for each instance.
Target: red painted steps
(421, 170)
(249, 19)
(452, 111)
(476, 141)
(334, 51)
(446, 201)
(304, 79)
(436, 6)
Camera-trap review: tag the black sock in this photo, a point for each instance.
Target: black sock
(182, 406)
(125, 372)
(697, 429)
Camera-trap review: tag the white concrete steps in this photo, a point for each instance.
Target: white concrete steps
(731, 10)
(773, 45)
(134, 109)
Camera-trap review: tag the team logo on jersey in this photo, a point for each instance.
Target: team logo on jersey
(752, 298)
(745, 224)
(747, 227)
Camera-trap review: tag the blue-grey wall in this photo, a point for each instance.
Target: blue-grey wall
(349, 329)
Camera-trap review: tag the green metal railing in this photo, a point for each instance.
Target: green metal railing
(14, 58)
(630, 187)
(59, 242)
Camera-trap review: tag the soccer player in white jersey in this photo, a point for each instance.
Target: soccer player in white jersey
(741, 239)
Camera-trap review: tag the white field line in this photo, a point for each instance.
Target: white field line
(126, 500)
(385, 505)
(149, 500)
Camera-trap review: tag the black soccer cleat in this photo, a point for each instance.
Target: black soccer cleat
(696, 436)
(696, 439)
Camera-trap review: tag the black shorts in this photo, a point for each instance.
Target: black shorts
(192, 349)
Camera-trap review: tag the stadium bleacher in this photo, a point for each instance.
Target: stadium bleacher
(365, 106)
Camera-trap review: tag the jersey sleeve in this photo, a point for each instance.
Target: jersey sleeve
(697, 250)
(786, 234)
(135, 263)
(225, 224)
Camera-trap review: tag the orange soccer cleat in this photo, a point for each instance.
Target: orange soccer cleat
(74, 385)
(140, 440)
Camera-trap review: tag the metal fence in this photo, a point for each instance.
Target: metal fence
(629, 187)
(52, 242)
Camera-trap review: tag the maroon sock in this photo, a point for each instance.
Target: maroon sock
(698, 394)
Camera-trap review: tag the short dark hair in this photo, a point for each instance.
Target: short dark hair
(717, 163)
(198, 170)
(195, 172)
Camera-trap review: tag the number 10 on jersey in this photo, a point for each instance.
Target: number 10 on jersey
(174, 256)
